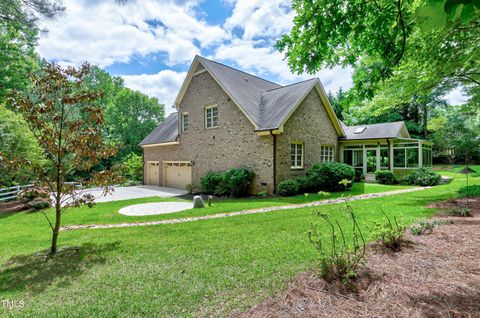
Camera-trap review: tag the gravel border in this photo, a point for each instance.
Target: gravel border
(229, 214)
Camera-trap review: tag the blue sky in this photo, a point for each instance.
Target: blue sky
(151, 44)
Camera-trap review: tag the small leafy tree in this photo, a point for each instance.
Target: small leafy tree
(66, 120)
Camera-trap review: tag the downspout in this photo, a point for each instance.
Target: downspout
(143, 165)
(274, 139)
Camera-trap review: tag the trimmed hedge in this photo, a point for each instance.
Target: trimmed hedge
(233, 182)
(326, 176)
(385, 177)
(288, 188)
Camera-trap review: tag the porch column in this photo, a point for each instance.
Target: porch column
(420, 154)
(364, 160)
(340, 153)
(390, 154)
(377, 157)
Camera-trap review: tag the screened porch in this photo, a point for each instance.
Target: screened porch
(399, 155)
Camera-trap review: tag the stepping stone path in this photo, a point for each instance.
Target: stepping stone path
(229, 214)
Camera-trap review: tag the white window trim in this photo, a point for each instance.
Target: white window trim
(183, 122)
(205, 115)
(302, 159)
(323, 156)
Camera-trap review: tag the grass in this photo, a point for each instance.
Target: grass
(105, 213)
(205, 268)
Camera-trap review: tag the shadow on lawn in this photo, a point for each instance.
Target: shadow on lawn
(33, 273)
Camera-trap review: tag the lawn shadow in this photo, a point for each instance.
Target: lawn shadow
(36, 272)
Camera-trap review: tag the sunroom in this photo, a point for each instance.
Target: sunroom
(388, 146)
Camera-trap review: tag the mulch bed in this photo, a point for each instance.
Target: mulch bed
(13, 206)
(437, 275)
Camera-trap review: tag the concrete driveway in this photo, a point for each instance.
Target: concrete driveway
(125, 193)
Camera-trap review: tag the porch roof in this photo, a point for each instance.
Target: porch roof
(375, 131)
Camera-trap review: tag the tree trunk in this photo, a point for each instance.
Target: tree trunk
(56, 227)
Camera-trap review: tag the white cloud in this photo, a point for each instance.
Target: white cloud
(269, 18)
(163, 85)
(269, 63)
(456, 97)
(104, 33)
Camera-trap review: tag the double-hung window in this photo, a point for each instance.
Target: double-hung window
(211, 116)
(184, 122)
(327, 153)
(296, 155)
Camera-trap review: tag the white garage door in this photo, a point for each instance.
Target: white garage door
(177, 174)
(153, 170)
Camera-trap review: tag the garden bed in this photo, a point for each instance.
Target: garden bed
(438, 275)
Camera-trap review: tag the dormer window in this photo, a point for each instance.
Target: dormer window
(184, 122)
(211, 116)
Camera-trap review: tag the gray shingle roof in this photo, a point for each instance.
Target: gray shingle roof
(375, 131)
(277, 103)
(267, 104)
(167, 131)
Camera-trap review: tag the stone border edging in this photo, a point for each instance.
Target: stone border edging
(244, 212)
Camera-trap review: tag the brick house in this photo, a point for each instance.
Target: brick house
(227, 118)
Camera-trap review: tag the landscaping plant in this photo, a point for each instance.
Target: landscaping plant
(426, 227)
(66, 119)
(288, 188)
(422, 177)
(462, 212)
(326, 176)
(338, 260)
(389, 234)
(233, 182)
(210, 182)
(385, 177)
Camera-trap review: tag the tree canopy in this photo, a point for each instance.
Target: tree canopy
(406, 55)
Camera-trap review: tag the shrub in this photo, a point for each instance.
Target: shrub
(304, 185)
(191, 188)
(323, 193)
(32, 193)
(39, 203)
(384, 177)
(262, 194)
(132, 167)
(235, 182)
(327, 176)
(288, 188)
(389, 234)
(358, 175)
(463, 212)
(422, 177)
(337, 259)
(426, 226)
(209, 182)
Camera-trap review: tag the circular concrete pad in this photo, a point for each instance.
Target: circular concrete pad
(155, 208)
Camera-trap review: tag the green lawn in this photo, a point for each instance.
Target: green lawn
(212, 267)
(108, 212)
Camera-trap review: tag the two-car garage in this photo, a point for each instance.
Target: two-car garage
(175, 174)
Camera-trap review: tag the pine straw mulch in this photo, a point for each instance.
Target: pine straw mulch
(436, 275)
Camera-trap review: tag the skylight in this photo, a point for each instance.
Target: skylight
(359, 130)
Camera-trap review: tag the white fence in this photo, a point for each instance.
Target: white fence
(11, 193)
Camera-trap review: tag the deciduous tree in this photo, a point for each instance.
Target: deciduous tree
(65, 118)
